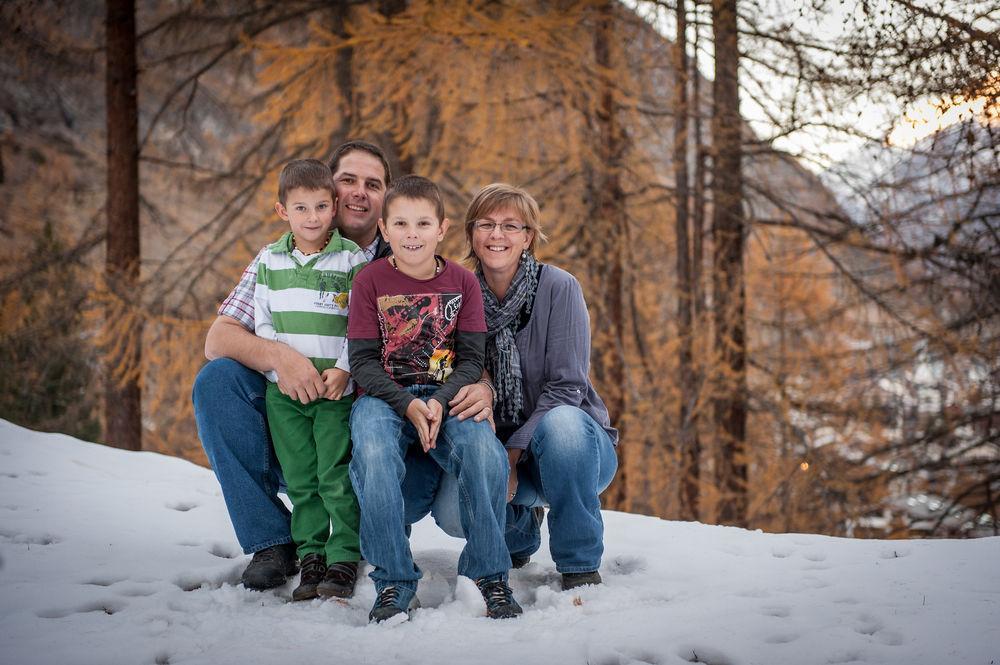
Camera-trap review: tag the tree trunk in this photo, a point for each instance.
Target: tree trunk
(698, 193)
(604, 242)
(123, 406)
(343, 71)
(690, 450)
(728, 238)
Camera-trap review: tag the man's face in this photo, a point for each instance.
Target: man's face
(360, 184)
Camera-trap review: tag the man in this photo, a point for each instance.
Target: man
(229, 391)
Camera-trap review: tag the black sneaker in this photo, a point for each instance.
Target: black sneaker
(270, 567)
(313, 570)
(500, 603)
(339, 580)
(393, 600)
(573, 580)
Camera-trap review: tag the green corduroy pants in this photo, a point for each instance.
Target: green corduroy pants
(313, 445)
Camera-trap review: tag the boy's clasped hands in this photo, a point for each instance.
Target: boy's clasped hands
(426, 418)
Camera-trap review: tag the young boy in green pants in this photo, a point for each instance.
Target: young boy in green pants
(303, 283)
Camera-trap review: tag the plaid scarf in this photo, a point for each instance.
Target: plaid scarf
(503, 361)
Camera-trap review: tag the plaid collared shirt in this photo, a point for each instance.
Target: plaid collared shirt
(239, 303)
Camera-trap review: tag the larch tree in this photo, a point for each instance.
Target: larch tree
(123, 400)
(690, 448)
(728, 239)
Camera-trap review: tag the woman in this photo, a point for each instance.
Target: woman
(555, 427)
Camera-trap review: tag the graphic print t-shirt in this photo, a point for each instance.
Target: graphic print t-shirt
(415, 319)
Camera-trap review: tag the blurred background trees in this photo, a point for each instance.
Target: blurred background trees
(784, 215)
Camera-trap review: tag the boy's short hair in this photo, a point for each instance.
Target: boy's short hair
(363, 146)
(498, 196)
(305, 173)
(417, 188)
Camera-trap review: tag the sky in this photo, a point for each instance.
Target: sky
(901, 127)
(109, 556)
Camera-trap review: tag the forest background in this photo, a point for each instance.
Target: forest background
(785, 217)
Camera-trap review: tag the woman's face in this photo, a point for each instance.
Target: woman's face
(499, 251)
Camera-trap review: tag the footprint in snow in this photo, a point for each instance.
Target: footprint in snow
(135, 592)
(703, 654)
(112, 606)
(782, 552)
(781, 638)
(224, 551)
(182, 506)
(103, 581)
(29, 538)
(779, 611)
(626, 565)
(846, 601)
(598, 656)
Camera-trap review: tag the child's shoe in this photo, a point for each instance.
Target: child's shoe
(393, 600)
(313, 570)
(339, 580)
(500, 603)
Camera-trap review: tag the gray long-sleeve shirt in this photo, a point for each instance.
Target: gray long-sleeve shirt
(555, 356)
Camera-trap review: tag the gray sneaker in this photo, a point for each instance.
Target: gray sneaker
(393, 600)
(500, 603)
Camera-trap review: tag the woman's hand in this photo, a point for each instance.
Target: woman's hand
(335, 381)
(513, 456)
(473, 401)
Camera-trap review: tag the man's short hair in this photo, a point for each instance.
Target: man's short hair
(417, 188)
(363, 146)
(305, 173)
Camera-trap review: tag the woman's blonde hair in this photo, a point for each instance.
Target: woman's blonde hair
(498, 196)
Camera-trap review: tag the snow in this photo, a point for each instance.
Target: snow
(117, 557)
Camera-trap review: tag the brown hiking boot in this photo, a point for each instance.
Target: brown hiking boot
(339, 580)
(313, 570)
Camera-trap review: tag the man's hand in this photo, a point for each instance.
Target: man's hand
(297, 377)
(513, 455)
(473, 401)
(335, 380)
(420, 415)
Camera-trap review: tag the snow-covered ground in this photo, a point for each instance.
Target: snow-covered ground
(118, 557)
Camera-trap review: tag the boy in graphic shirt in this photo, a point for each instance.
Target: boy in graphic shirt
(417, 336)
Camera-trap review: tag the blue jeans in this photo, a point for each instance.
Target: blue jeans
(232, 425)
(570, 461)
(466, 450)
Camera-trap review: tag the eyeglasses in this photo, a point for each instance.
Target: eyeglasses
(508, 228)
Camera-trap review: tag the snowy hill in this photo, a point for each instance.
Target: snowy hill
(118, 557)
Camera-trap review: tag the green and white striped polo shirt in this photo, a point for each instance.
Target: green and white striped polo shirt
(304, 304)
